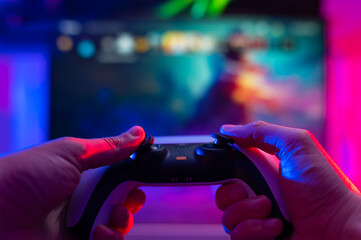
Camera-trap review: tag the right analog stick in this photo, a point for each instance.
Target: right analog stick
(221, 140)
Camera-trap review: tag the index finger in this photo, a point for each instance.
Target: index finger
(270, 138)
(297, 149)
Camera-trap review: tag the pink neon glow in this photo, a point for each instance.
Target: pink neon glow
(94, 151)
(92, 148)
(344, 85)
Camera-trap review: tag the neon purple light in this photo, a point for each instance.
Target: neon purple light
(177, 205)
(4, 104)
(4, 85)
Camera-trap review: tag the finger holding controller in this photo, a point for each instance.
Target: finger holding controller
(321, 200)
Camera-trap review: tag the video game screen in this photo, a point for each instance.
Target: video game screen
(185, 77)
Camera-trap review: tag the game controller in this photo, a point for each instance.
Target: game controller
(174, 164)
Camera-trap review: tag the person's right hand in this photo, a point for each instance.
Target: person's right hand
(321, 201)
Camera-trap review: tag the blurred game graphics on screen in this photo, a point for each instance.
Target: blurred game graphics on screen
(186, 77)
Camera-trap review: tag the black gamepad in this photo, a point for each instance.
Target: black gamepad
(217, 162)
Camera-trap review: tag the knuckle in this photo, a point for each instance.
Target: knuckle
(303, 136)
(66, 141)
(114, 142)
(259, 124)
(70, 144)
(256, 128)
(303, 141)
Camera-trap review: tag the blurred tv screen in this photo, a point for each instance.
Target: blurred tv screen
(184, 77)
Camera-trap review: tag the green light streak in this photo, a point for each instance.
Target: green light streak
(172, 8)
(216, 7)
(199, 9)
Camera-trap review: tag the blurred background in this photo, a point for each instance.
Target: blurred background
(180, 67)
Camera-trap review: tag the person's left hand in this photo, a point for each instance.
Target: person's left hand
(36, 183)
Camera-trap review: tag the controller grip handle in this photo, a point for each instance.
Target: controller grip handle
(268, 166)
(118, 196)
(87, 210)
(101, 189)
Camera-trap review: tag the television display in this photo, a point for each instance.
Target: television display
(183, 77)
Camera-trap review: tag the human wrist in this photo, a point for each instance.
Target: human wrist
(352, 227)
(344, 219)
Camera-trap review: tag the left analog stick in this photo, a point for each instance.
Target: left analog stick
(147, 142)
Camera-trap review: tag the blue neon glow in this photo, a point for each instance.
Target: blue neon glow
(26, 122)
(29, 99)
(226, 229)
